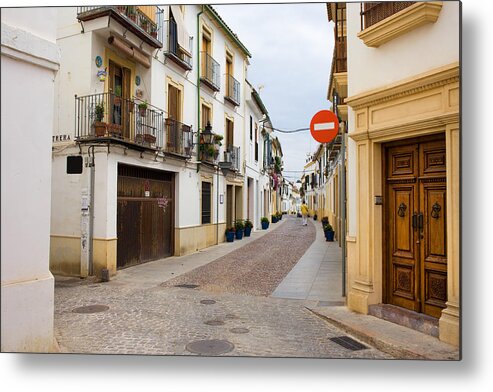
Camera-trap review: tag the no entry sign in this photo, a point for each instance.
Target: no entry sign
(324, 126)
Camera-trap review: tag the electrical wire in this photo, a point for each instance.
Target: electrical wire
(286, 131)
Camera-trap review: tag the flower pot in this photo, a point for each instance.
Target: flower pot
(100, 128)
(265, 225)
(247, 231)
(230, 236)
(142, 112)
(239, 234)
(329, 235)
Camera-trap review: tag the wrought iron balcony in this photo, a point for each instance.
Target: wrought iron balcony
(209, 74)
(232, 90)
(130, 16)
(374, 12)
(179, 138)
(108, 117)
(232, 158)
(172, 49)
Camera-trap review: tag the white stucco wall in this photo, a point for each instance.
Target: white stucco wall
(422, 49)
(29, 63)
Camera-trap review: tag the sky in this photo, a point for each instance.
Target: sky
(291, 47)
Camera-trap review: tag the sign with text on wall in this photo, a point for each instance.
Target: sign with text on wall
(324, 126)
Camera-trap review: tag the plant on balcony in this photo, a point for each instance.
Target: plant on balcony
(99, 125)
(118, 96)
(239, 226)
(277, 165)
(153, 31)
(131, 12)
(143, 108)
(248, 227)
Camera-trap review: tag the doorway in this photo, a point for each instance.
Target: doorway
(415, 243)
(119, 100)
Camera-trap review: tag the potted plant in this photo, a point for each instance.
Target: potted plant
(279, 215)
(314, 216)
(248, 227)
(239, 226)
(99, 125)
(329, 232)
(153, 31)
(274, 218)
(230, 234)
(131, 13)
(264, 222)
(143, 108)
(118, 94)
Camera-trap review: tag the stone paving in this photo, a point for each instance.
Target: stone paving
(146, 316)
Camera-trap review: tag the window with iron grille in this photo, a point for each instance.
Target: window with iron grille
(374, 12)
(206, 202)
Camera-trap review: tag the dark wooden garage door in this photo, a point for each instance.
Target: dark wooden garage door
(145, 213)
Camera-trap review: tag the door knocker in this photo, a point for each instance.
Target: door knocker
(402, 210)
(435, 210)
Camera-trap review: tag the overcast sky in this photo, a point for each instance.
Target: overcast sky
(291, 47)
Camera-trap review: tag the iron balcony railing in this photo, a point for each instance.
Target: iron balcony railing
(210, 71)
(172, 49)
(106, 115)
(374, 12)
(131, 13)
(232, 156)
(179, 138)
(232, 90)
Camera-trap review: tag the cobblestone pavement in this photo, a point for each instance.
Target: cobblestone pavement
(158, 318)
(256, 268)
(163, 321)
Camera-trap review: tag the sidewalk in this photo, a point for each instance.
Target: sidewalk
(317, 279)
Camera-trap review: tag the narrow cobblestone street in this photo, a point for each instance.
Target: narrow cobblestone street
(162, 319)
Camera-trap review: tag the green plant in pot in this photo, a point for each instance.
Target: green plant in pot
(143, 108)
(118, 95)
(264, 222)
(239, 226)
(329, 232)
(248, 227)
(99, 125)
(230, 234)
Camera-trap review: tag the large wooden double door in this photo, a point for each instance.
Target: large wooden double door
(415, 243)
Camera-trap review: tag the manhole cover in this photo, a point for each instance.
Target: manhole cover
(207, 302)
(187, 286)
(91, 309)
(239, 330)
(214, 322)
(210, 347)
(349, 343)
(231, 316)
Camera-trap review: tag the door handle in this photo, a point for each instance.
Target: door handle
(415, 221)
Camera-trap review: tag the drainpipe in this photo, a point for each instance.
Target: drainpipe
(198, 88)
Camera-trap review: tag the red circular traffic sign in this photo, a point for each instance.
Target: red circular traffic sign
(324, 126)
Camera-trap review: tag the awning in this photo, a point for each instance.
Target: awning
(130, 51)
(182, 33)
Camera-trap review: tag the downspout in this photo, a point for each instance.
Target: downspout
(198, 88)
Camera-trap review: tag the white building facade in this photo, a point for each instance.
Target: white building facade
(30, 61)
(150, 156)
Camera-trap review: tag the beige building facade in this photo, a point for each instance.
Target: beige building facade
(403, 85)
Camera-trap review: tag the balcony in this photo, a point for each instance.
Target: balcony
(210, 72)
(140, 20)
(383, 21)
(108, 118)
(232, 90)
(178, 138)
(172, 49)
(232, 158)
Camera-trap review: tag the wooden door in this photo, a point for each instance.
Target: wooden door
(415, 228)
(145, 210)
(119, 86)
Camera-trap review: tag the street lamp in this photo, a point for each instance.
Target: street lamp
(207, 134)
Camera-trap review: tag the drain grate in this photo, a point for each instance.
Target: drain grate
(231, 316)
(207, 302)
(349, 343)
(210, 347)
(187, 286)
(330, 303)
(91, 309)
(239, 330)
(214, 322)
